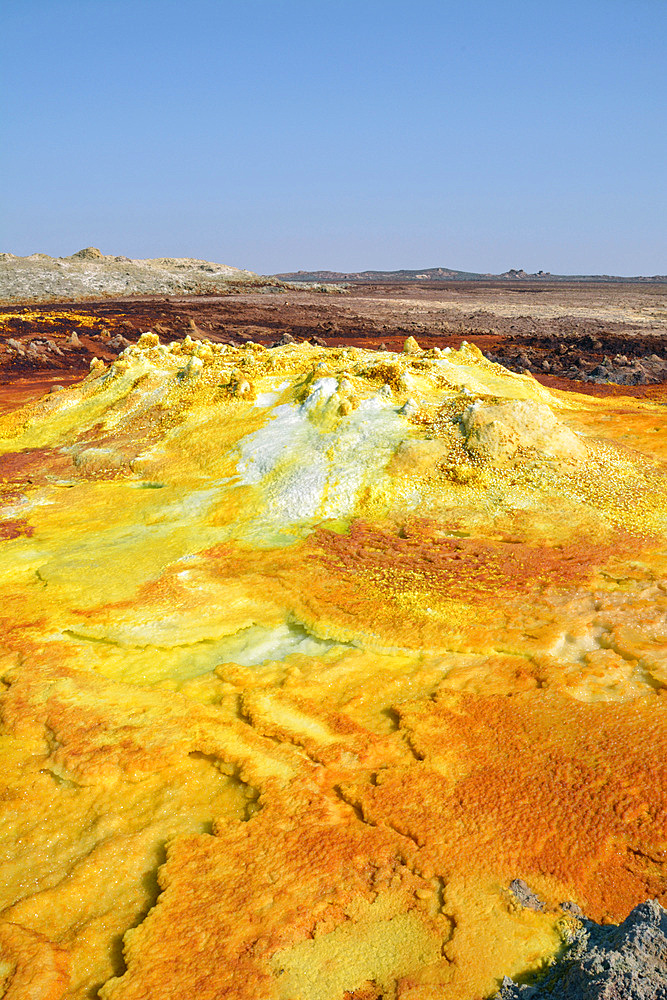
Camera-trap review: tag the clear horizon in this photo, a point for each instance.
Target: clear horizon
(283, 136)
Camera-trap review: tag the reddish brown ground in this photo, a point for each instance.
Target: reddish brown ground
(420, 555)
(569, 792)
(568, 328)
(16, 389)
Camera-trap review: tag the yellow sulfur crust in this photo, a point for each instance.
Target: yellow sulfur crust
(307, 654)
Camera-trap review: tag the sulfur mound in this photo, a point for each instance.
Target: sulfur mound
(326, 674)
(504, 432)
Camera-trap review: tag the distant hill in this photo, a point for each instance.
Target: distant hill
(90, 274)
(448, 274)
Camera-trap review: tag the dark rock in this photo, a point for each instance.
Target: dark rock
(117, 343)
(286, 338)
(37, 346)
(624, 962)
(525, 895)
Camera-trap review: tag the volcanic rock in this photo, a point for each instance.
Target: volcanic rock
(625, 962)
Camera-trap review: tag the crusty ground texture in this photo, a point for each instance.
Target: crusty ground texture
(308, 653)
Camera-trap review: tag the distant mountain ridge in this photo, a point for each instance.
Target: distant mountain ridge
(448, 274)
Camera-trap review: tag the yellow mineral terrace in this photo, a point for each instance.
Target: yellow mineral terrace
(307, 655)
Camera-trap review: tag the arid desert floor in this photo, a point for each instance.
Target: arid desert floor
(560, 333)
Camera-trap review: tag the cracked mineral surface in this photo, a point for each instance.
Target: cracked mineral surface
(327, 674)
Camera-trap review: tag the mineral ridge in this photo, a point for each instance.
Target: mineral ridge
(92, 274)
(310, 658)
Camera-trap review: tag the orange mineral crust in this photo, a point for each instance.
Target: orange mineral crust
(307, 655)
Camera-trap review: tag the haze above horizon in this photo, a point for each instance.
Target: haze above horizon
(283, 136)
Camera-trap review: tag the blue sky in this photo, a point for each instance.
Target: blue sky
(281, 134)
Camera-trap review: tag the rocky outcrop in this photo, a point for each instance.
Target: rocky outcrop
(90, 274)
(582, 360)
(623, 962)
